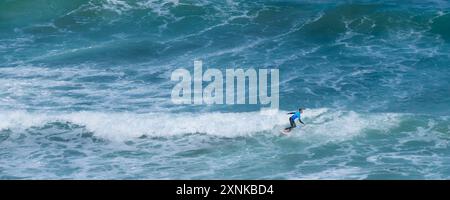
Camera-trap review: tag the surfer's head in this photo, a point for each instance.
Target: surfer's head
(301, 110)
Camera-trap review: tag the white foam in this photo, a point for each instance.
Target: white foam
(116, 6)
(321, 123)
(342, 125)
(337, 173)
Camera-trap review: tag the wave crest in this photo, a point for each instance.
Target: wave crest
(323, 123)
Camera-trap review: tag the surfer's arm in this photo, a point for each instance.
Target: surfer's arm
(301, 121)
(291, 113)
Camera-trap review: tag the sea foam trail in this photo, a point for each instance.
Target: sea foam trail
(120, 126)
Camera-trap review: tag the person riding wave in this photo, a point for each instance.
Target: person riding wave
(295, 115)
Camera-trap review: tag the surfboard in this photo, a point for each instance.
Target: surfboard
(284, 131)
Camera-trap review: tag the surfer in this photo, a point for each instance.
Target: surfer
(295, 115)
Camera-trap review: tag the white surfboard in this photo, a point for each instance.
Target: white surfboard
(285, 132)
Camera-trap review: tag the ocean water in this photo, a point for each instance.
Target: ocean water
(85, 89)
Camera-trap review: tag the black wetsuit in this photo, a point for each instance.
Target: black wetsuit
(293, 118)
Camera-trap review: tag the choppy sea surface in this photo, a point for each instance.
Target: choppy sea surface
(85, 89)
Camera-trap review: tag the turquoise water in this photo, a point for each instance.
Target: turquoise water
(85, 89)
